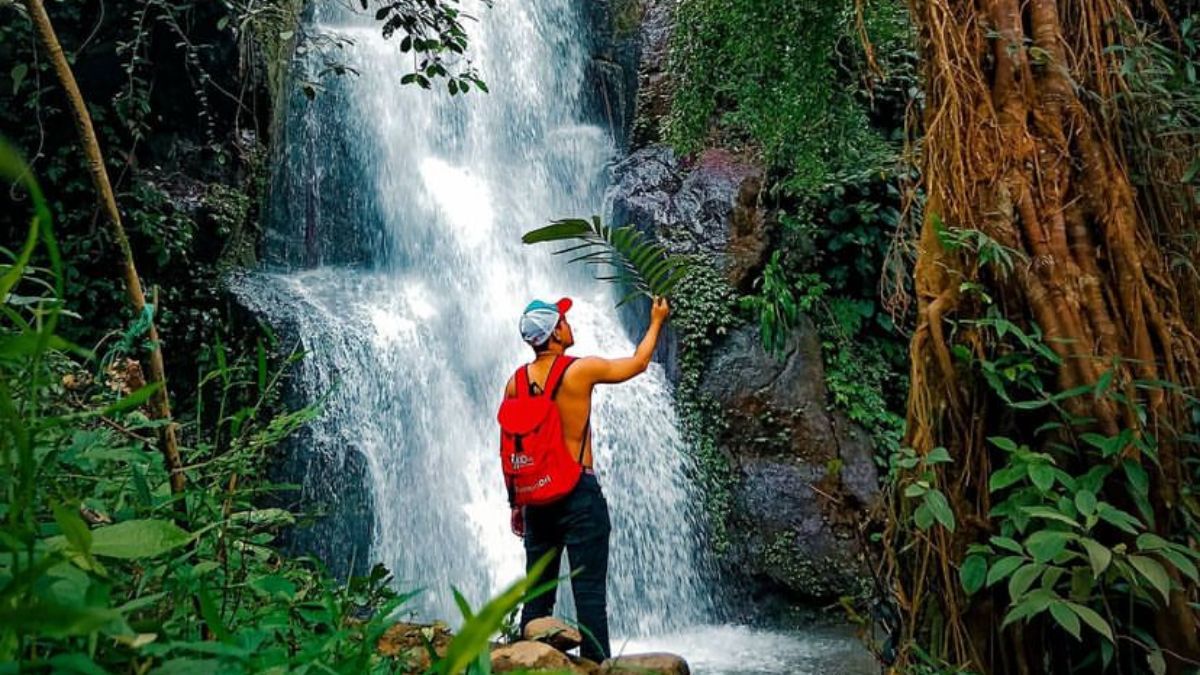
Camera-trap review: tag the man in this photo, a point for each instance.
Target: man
(579, 521)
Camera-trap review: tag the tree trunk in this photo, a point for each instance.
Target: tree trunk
(160, 402)
(1021, 146)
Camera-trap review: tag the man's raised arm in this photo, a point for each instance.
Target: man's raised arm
(610, 371)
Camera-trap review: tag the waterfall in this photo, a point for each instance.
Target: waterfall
(395, 258)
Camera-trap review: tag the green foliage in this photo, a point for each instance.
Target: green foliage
(1055, 527)
(180, 148)
(794, 82)
(772, 75)
(468, 651)
(1159, 113)
(434, 33)
(776, 304)
(1072, 542)
(920, 484)
(104, 569)
(828, 268)
(638, 261)
(702, 312)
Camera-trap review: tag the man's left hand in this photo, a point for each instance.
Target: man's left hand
(518, 521)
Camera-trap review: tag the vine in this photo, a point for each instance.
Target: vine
(702, 312)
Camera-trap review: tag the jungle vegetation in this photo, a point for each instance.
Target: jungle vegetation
(989, 209)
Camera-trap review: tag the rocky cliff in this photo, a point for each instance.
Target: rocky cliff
(801, 473)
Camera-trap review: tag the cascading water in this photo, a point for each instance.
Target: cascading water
(397, 262)
(417, 346)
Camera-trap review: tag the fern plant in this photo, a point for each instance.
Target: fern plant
(636, 261)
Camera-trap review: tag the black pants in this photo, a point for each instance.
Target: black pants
(579, 522)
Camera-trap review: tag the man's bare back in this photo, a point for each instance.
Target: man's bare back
(574, 398)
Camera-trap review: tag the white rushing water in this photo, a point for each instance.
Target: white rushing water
(398, 264)
(420, 342)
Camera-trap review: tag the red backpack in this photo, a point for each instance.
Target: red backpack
(538, 468)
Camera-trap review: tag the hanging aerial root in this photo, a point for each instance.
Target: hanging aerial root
(1012, 148)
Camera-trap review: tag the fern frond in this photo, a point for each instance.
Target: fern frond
(634, 258)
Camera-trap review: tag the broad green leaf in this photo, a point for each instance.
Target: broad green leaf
(1065, 617)
(1005, 477)
(1049, 513)
(76, 663)
(1154, 572)
(940, 508)
(559, 230)
(1181, 562)
(1022, 579)
(73, 528)
(1091, 618)
(1007, 544)
(1042, 476)
(922, 516)
(1031, 605)
(1099, 555)
(1148, 541)
(938, 455)
(1085, 501)
(1139, 488)
(134, 539)
(973, 572)
(1006, 444)
(1045, 545)
(133, 400)
(188, 666)
(1052, 576)
(1156, 662)
(1138, 479)
(19, 72)
(211, 613)
(274, 585)
(1004, 567)
(56, 621)
(1118, 518)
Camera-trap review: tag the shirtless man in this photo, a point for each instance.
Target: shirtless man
(579, 522)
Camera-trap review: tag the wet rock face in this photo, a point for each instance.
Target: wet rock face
(707, 206)
(654, 92)
(804, 472)
(611, 72)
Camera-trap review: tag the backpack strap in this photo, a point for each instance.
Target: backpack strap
(587, 432)
(522, 382)
(555, 378)
(554, 383)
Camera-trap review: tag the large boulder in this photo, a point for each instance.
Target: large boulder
(804, 472)
(708, 205)
(554, 632)
(523, 656)
(658, 663)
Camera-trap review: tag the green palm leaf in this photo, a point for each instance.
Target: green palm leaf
(632, 258)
